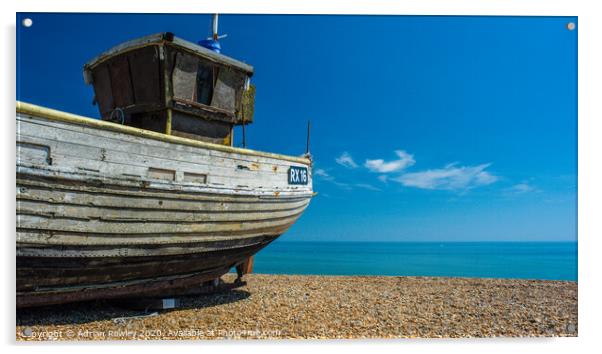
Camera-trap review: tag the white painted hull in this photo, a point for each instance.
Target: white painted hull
(100, 205)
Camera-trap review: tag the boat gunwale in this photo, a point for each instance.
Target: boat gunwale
(52, 114)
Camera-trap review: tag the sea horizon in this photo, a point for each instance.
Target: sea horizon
(541, 260)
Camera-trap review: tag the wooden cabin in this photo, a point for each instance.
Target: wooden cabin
(168, 85)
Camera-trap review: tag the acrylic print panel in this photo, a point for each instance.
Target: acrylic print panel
(433, 196)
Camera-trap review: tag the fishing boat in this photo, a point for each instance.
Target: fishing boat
(152, 198)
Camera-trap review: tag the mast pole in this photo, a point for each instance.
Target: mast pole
(308, 131)
(215, 22)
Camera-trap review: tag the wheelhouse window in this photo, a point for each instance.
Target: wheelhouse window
(199, 81)
(204, 84)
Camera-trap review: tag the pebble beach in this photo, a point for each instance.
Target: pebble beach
(326, 307)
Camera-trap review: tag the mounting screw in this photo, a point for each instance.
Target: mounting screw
(570, 26)
(27, 22)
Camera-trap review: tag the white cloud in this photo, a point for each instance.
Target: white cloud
(383, 178)
(323, 174)
(521, 188)
(346, 160)
(380, 166)
(342, 185)
(451, 177)
(367, 186)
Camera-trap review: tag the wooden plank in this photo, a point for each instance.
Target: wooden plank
(116, 198)
(111, 251)
(192, 177)
(120, 142)
(73, 156)
(204, 111)
(197, 137)
(39, 239)
(109, 140)
(108, 169)
(102, 90)
(121, 82)
(32, 153)
(184, 76)
(104, 248)
(151, 215)
(171, 41)
(225, 90)
(162, 191)
(32, 242)
(116, 289)
(247, 266)
(200, 128)
(154, 187)
(108, 226)
(144, 69)
(91, 157)
(49, 115)
(161, 173)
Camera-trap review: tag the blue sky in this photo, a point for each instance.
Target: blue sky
(423, 128)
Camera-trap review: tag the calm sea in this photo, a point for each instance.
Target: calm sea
(528, 260)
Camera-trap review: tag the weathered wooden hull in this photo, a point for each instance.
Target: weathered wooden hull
(108, 211)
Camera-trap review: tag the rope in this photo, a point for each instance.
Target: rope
(120, 112)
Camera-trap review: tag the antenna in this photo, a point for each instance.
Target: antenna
(212, 42)
(215, 19)
(215, 25)
(308, 130)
